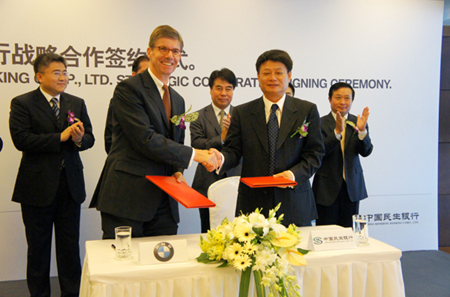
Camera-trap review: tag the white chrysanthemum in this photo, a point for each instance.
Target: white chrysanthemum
(277, 228)
(258, 220)
(242, 261)
(244, 232)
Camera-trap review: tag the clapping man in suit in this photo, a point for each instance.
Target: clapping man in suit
(51, 127)
(339, 183)
(145, 142)
(264, 133)
(210, 131)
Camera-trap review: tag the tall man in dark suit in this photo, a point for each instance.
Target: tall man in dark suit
(263, 133)
(338, 185)
(145, 142)
(210, 130)
(50, 182)
(140, 64)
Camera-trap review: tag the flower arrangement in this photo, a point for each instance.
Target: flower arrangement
(302, 130)
(71, 119)
(351, 124)
(179, 120)
(253, 243)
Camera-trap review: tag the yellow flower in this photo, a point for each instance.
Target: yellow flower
(244, 232)
(292, 256)
(242, 261)
(249, 248)
(284, 240)
(232, 251)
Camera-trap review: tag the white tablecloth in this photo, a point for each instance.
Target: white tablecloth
(371, 271)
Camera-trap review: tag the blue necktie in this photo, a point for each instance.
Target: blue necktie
(55, 108)
(272, 132)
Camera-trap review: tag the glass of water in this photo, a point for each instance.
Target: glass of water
(360, 230)
(123, 243)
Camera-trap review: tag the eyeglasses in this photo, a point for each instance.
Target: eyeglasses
(57, 74)
(164, 50)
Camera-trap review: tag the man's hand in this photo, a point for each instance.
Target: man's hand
(77, 132)
(340, 123)
(362, 120)
(206, 158)
(225, 126)
(69, 131)
(180, 177)
(210, 166)
(286, 174)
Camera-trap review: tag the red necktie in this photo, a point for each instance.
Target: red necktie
(166, 102)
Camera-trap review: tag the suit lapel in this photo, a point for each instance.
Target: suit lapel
(44, 106)
(211, 117)
(349, 131)
(154, 95)
(65, 106)
(288, 119)
(258, 122)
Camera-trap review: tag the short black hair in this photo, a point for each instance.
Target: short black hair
(292, 88)
(44, 60)
(225, 74)
(339, 85)
(276, 56)
(137, 62)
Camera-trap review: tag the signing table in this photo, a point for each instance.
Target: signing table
(371, 271)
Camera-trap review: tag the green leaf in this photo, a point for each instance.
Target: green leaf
(203, 258)
(191, 117)
(302, 251)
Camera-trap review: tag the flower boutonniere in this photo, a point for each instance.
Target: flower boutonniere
(351, 124)
(71, 119)
(302, 130)
(179, 120)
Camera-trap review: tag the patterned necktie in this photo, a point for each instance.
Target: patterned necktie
(166, 102)
(221, 115)
(272, 132)
(342, 148)
(55, 108)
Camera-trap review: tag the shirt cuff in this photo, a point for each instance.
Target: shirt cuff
(338, 136)
(192, 157)
(362, 135)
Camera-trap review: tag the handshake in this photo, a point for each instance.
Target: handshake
(211, 159)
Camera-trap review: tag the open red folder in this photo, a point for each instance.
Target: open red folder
(267, 181)
(181, 192)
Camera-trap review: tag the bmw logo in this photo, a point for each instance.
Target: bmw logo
(163, 251)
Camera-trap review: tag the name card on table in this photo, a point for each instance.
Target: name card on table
(332, 239)
(160, 252)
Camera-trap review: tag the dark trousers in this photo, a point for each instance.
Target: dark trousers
(161, 224)
(340, 212)
(64, 215)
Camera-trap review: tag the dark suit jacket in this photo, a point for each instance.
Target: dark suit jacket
(35, 132)
(108, 128)
(247, 138)
(328, 179)
(143, 145)
(205, 134)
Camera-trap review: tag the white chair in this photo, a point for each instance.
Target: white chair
(224, 194)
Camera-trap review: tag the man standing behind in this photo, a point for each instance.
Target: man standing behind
(139, 65)
(44, 125)
(210, 130)
(145, 142)
(263, 133)
(339, 183)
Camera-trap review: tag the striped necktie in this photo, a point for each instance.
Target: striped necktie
(55, 108)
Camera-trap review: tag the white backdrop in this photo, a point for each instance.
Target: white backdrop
(389, 50)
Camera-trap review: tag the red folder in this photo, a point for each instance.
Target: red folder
(267, 181)
(181, 192)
